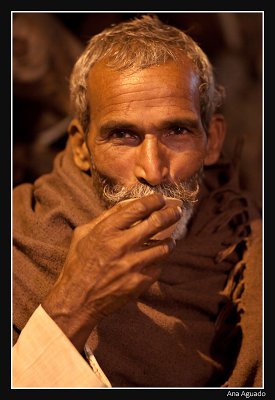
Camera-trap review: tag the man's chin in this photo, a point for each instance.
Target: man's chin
(182, 225)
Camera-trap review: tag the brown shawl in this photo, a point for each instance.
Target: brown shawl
(188, 328)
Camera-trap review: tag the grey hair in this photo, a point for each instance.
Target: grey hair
(137, 44)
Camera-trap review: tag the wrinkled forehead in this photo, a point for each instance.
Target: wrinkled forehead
(169, 78)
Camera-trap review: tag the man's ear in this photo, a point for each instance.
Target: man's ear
(216, 136)
(81, 154)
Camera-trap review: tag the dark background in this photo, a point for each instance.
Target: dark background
(46, 45)
(249, 52)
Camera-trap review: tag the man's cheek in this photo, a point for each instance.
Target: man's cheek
(185, 167)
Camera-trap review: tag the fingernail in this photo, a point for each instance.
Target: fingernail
(179, 210)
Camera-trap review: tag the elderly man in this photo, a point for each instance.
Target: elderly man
(103, 296)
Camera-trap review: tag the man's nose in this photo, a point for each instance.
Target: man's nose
(152, 164)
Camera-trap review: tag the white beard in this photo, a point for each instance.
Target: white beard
(181, 228)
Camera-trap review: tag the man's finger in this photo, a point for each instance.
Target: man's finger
(123, 215)
(157, 222)
(149, 253)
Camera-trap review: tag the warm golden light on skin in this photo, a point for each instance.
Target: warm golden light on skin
(146, 125)
(147, 105)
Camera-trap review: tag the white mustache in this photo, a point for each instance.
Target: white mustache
(112, 193)
(180, 191)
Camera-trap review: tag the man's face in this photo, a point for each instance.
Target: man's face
(146, 126)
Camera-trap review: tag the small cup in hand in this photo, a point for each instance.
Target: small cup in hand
(167, 232)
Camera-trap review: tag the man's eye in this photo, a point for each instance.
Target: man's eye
(122, 135)
(177, 131)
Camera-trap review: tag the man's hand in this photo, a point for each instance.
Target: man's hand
(109, 263)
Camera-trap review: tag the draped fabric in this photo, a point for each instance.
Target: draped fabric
(189, 328)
